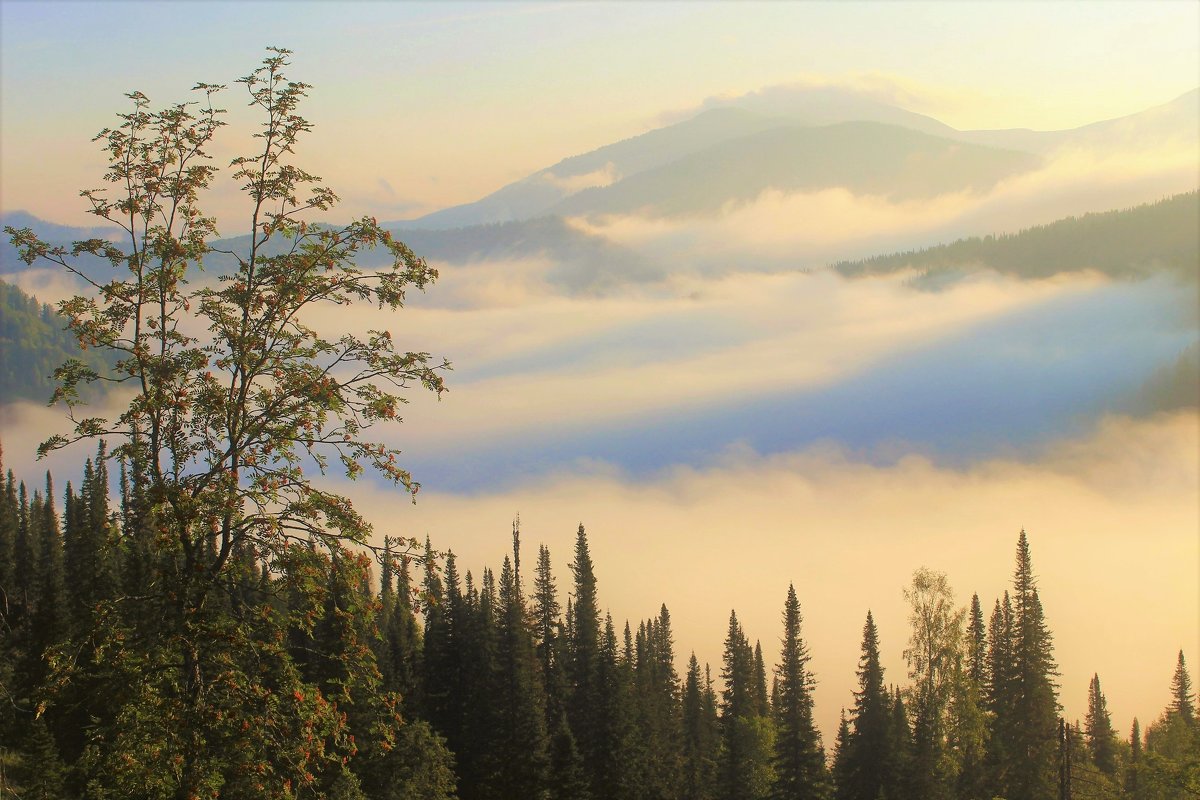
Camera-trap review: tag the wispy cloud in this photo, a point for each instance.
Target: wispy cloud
(541, 364)
(807, 229)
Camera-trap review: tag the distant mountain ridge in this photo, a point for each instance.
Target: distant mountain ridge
(1123, 243)
(864, 157)
(731, 130)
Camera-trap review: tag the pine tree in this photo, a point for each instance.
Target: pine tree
(519, 740)
(547, 624)
(899, 769)
(762, 701)
(799, 759)
(744, 768)
(841, 771)
(699, 738)
(976, 645)
(968, 730)
(1133, 783)
(657, 701)
(567, 779)
(1181, 692)
(999, 697)
(615, 776)
(868, 749)
(1101, 738)
(1034, 703)
(586, 698)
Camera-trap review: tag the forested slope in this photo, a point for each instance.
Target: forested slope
(33, 343)
(1122, 243)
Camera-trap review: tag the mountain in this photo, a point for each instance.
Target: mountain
(864, 157)
(53, 232)
(1125, 243)
(1176, 122)
(827, 105)
(726, 137)
(538, 193)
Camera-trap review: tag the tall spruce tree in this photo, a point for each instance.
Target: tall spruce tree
(586, 697)
(1101, 738)
(519, 739)
(840, 771)
(1182, 702)
(899, 769)
(867, 754)
(1133, 770)
(799, 758)
(744, 767)
(999, 697)
(700, 738)
(1034, 703)
(614, 774)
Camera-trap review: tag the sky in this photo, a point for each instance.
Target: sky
(452, 101)
(746, 419)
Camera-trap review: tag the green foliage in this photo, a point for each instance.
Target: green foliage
(799, 758)
(1128, 243)
(33, 343)
(222, 636)
(865, 754)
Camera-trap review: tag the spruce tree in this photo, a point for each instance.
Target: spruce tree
(841, 774)
(799, 759)
(586, 698)
(1181, 692)
(1034, 703)
(1133, 784)
(614, 776)
(519, 740)
(999, 697)
(1101, 738)
(976, 645)
(567, 779)
(744, 768)
(699, 737)
(899, 769)
(868, 751)
(547, 623)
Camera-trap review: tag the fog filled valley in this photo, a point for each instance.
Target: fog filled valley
(720, 434)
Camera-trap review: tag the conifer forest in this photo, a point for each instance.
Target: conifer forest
(327, 672)
(198, 609)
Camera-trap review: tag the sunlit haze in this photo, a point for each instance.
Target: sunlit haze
(678, 368)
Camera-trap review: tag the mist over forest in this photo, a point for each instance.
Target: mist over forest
(725, 428)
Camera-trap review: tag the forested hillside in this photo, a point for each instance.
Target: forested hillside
(1122, 243)
(34, 342)
(426, 680)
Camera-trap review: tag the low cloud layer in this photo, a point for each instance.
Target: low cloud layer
(1111, 517)
(533, 367)
(812, 229)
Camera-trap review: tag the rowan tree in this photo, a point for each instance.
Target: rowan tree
(233, 398)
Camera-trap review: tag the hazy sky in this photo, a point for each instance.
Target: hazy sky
(419, 106)
(749, 426)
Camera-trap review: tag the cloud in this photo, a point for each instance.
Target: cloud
(605, 176)
(822, 95)
(540, 365)
(49, 285)
(810, 229)
(1112, 518)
